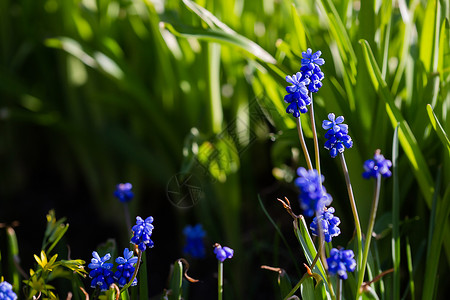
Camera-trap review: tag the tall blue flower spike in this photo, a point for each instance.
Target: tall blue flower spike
(126, 268)
(297, 96)
(310, 69)
(142, 232)
(377, 166)
(328, 223)
(223, 253)
(313, 196)
(123, 192)
(6, 292)
(340, 262)
(101, 273)
(337, 135)
(194, 241)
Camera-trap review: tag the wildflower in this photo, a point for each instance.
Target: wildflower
(328, 223)
(223, 253)
(313, 196)
(142, 232)
(340, 262)
(101, 273)
(337, 135)
(377, 166)
(194, 241)
(297, 96)
(125, 269)
(123, 192)
(311, 60)
(6, 292)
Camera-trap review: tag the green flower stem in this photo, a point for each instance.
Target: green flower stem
(339, 289)
(354, 210)
(302, 142)
(136, 270)
(220, 280)
(316, 141)
(373, 213)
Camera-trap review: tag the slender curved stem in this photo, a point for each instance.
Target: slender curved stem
(373, 213)
(339, 289)
(302, 142)
(316, 141)
(354, 210)
(220, 280)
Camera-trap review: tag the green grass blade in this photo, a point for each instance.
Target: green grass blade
(406, 137)
(438, 128)
(216, 113)
(143, 279)
(410, 270)
(176, 281)
(442, 213)
(13, 259)
(395, 218)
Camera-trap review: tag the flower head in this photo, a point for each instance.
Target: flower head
(123, 192)
(101, 273)
(311, 60)
(328, 223)
(337, 135)
(297, 96)
(340, 262)
(126, 268)
(223, 253)
(6, 292)
(142, 232)
(377, 166)
(313, 196)
(194, 241)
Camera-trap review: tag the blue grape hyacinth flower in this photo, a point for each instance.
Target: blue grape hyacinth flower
(313, 196)
(223, 253)
(194, 241)
(6, 292)
(337, 135)
(377, 166)
(125, 268)
(340, 262)
(329, 224)
(101, 273)
(297, 96)
(123, 192)
(142, 232)
(310, 59)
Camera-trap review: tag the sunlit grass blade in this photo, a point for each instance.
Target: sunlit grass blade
(176, 281)
(143, 279)
(406, 137)
(13, 259)
(438, 128)
(395, 242)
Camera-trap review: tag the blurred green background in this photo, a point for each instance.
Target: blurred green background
(97, 92)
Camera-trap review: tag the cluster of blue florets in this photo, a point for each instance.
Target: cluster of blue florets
(142, 232)
(378, 166)
(340, 262)
(336, 135)
(313, 195)
(195, 246)
(101, 274)
(123, 192)
(307, 80)
(328, 223)
(6, 292)
(223, 253)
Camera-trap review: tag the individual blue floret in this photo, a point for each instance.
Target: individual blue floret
(223, 253)
(101, 273)
(142, 232)
(194, 241)
(337, 135)
(313, 196)
(334, 125)
(6, 292)
(125, 268)
(340, 262)
(123, 192)
(328, 223)
(297, 96)
(377, 166)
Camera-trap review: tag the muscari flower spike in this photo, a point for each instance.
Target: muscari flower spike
(310, 69)
(101, 273)
(340, 262)
(123, 192)
(328, 223)
(223, 253)
(297, 96)
(377, 166)
(337, 135)
(313, 196)
(6, 292)
(142, 232)
(194, 241)
(126, 268)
